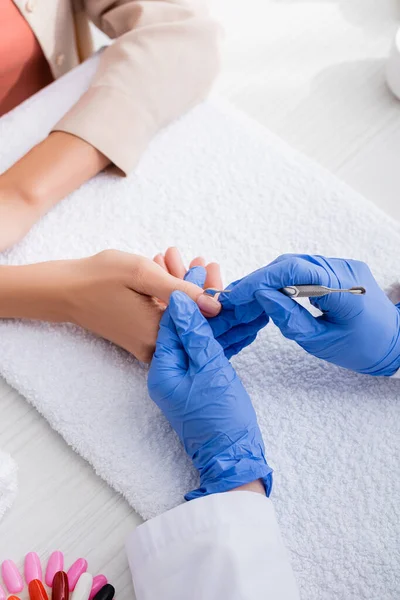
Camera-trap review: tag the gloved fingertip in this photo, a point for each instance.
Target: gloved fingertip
(196, 275)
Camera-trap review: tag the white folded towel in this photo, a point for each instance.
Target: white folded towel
(218, 184)
(8, 482)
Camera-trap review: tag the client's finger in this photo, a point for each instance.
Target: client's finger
(151, 279)
(174, 263)
(214, 278)
(159, 260)
(198, 275)
(199, 261)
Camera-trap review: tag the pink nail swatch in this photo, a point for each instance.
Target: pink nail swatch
(75, 571)
(12, 577)
(98, 582)
(55, 564)
(33, 568)
(3, 595)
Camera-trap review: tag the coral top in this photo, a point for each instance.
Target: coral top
(23, 66)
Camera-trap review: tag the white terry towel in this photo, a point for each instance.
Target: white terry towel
(8, 482)
(216, 183)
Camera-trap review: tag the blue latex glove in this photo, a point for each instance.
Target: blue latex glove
(236, 327)
(361, 333)
(202, 397)
(233, 331)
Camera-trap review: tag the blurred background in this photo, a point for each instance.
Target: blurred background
(313, 71)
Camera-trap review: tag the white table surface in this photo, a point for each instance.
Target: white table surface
(313, 72)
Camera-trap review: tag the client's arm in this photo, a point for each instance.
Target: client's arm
(110, 294)
(34, 184)
(163, 62)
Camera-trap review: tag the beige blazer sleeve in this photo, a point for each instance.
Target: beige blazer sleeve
(163, 62)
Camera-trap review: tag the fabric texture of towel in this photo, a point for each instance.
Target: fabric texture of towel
(8, 482)
(216, 183)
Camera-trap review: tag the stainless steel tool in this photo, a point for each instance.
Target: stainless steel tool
(314, 291)
(303, 291)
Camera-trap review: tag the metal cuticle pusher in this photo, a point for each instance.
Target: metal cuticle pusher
(303, 291)
(315, 291)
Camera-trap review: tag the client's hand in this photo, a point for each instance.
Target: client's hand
(202, 397)
(113, 295)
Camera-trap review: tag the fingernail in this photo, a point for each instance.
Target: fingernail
(60, 588)
(33, 568)
(83, 587)
(98, 582)
(208, 306)
(37, 591)
(12, 577)
(3, 595)
(106, 593)
(75, 572)
(55, 564)
(12, 597)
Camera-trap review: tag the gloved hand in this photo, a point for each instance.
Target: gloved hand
(361, 333)
(202, 397)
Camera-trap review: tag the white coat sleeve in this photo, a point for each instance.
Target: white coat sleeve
(220, 547)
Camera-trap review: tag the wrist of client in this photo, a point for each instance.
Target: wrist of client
(37, 292)
(52, 169)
